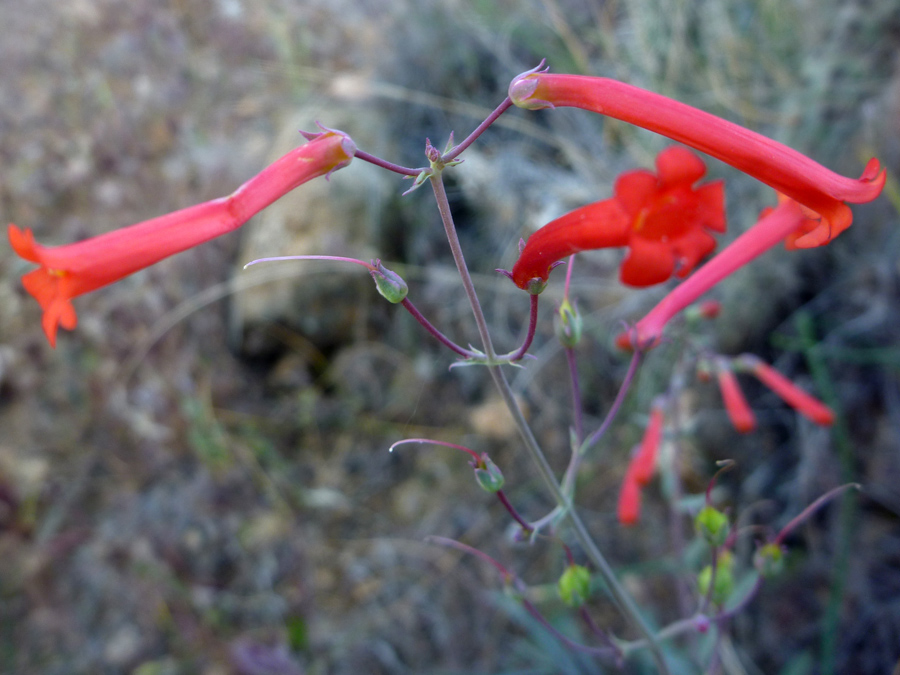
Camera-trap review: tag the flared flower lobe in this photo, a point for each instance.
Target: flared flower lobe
(669, 217)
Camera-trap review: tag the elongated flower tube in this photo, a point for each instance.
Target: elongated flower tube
(74, 269)
(599, 225)
(628, 510)
(736, 405)
(788, 171)
(644, 462)
(661, 217)
(808, 406)
(778, 223)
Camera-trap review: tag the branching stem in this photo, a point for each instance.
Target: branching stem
(621, 597)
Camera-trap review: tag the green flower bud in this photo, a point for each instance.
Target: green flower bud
(575, 586)
(489, 477)
(769, 560)
(389, 284)
(712, 525)
(724, 583)
(568, 324)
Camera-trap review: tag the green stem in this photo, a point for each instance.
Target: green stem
(847, 515)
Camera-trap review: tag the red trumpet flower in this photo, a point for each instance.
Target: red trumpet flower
(74, 269)
(736, 405)
(629, 506)
(788, 171)
(661, 217)
(643, 464)
(808, 406)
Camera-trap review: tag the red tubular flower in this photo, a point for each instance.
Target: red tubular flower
(629, 507)
(599, 225)
(777, 224)
(68, 271)
(736, 405)
(788, 171)
(808, 406)
(643, 464)
(661, 217)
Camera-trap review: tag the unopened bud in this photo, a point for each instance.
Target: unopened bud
(575, 586)
(568, 324)
(489, 476)
(389, 284)
(769, 560)
(431, 152)
(723, 586)
(712, 525)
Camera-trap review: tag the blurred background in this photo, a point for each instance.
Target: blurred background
(197, 479)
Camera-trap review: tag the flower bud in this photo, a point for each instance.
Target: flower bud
(389, 284)
(723, 585)
(712, 525)
(575, 586)
(769, 560)
(489, 476)
(739, 411)
(568, 324)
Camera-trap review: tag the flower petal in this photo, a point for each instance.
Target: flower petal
(634, 190)
(648, 262)
(691, 248)
(22, 242)
(711, 205)
(676, 165)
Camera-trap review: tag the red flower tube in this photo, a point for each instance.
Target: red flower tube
(788, 171)
(777, 224)
(661, 217)
(74, 269)
(628, 510)
(643, 464)
(599, 225)
(736, 405)
(808, 406)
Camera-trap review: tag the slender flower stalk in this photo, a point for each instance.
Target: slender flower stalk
(788, 171)
(778, 223)
(739, 411)
(439, 336)
(519, 354)
(808, 406)
(510, 579)
(74, 269)
(618, 593)
(806, 513)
